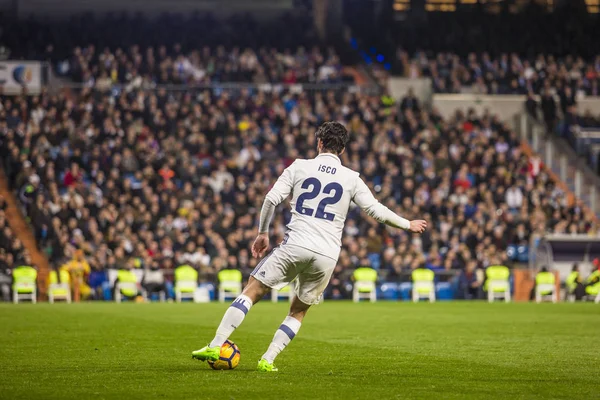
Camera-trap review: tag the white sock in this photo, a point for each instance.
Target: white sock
(283, 336)
(232, 319)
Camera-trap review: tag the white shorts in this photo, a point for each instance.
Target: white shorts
(286, 262)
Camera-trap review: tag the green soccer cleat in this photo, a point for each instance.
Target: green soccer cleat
(207, 353)
(265, 366)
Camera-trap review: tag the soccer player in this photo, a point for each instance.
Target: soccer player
(322, 189)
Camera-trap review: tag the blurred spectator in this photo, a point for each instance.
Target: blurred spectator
(574, 283)
(337, 288)
(549, 110)
(12, 252)
(410, 101)
(514, 198)
(79, 269)
(594, 277)
(5, 274)
(98, 278)
(531, 105)
(471, 281)
(153, 280)
(567, 100)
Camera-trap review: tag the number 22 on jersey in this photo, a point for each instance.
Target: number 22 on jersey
(334, 191)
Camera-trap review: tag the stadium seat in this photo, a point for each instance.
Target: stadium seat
(62, 290)
(444, 291)
(287, 291)
(389, 291)
(545, 286)
(364, 284)
(523, 254)
(405, 291)
(127, 284)
(497, 284)
(24, 284)
(186, 282)
(161, 296)
(423, 285)
(202, 294)
(511, 252)
(375, 260)
(230, 284)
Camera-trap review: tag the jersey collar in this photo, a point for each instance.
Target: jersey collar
(330, 155)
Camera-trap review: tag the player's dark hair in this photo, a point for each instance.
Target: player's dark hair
(334, 136)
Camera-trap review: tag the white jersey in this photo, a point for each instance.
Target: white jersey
(322, 189)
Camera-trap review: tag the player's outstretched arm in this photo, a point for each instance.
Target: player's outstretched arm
(365, 200)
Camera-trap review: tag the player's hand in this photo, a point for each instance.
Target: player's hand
(260, 245)
(418, 226)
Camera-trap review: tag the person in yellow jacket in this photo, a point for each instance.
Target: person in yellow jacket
(79, 269)
(574, 283)
(592, 283)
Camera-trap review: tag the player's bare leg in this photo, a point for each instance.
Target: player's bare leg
(233, 318)
(255, 290)
(284, 335)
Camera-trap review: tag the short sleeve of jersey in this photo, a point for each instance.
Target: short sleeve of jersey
(283, 187)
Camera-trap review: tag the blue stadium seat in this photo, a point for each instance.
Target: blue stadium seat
(375, 259)
(405, 288)
(388, 291)
(444, 291)
(523, 254)
(511, 252)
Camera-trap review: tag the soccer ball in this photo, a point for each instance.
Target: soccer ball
(229, 358)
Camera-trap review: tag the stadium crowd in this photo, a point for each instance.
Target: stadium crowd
(12, 252)
(176, 50)
(507, 74)
(155, 178)
(478, 49)
(122, 174)
(485, 55)
(136, 68)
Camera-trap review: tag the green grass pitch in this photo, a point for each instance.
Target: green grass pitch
(343, 351)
